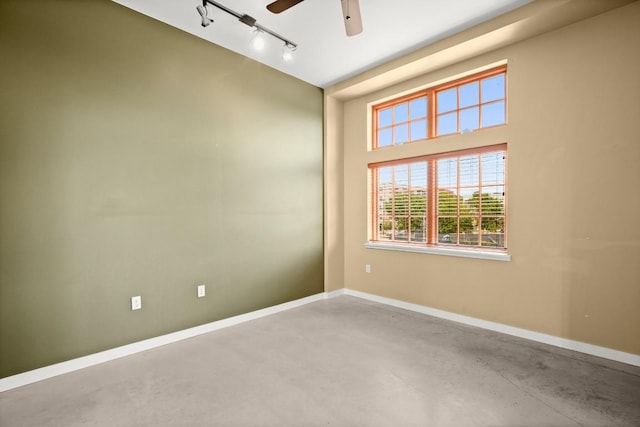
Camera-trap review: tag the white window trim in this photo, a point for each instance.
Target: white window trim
(456, 252)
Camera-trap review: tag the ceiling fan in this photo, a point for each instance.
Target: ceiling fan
(350, 13)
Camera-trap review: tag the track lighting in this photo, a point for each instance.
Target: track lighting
(258, 39)
(203, 10)
(287, 52)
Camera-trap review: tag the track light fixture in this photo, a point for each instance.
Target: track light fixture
(287, 52)
(257, 40)
(203, 10)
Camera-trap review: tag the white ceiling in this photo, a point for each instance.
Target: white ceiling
(325, 54)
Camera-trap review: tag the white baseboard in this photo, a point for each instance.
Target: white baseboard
(337, 293)
(46, 372)
(50, 371)
(594, 350)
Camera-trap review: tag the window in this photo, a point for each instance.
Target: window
(405, 121)
(448, 203)
(454, 200)
(475, 102)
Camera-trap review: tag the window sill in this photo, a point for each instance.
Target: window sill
(463, 253)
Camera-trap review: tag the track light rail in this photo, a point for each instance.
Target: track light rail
(250, 21)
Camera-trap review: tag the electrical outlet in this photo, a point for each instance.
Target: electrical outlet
(367, 268)
(201, 291)
(136, 303)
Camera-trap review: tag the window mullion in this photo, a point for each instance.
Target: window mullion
(431, 114)
(458, 108)
(480, 103)
(393, 203)
(458, 204)
(375, 123)
(408, 122)
(505, 199)
(480, 200)
(409, 203)
(375, 200)
(432, 202)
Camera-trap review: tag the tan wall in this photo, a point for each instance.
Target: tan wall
(574, 202)
(136, 159)
(334, 196)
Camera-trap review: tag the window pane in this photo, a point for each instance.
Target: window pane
(493, 168)
(447, 100)
(417, 221)
(401, 231)
(386, 226)
(401, 177)
(384, 138)
(471, 202)
(385, 177)
(385, 207)
(468, 236)
(447, 230)
(493, 88)
(469, 95)
(419, 108)
(385, 180)
(447, 203)
(402, 113)
(418, 215)
(447, 173)
(493, 201)
(401, 202)
(418, 202)
(419, 177)
(418, 130)
(448, 124)
(385, 118)
(470, 170)
(401, 134)
(493, 232)
(418, 229)
(418, 197)
(469, 119)
(493, 114)
(385, 193)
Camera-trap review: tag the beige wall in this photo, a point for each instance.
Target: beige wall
(334, 196)
(574, 203)
(136, 159)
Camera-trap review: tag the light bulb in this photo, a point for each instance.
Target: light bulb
(257, 41)
(287, 52)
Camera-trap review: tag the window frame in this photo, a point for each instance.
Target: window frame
(431, 243)
(432, 111)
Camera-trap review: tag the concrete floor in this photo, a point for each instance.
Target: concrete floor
(340, 362)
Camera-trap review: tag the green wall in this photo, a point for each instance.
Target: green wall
(136, 159)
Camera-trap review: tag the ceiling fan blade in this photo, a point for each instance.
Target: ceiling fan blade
(282, 5)
(351, 17)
